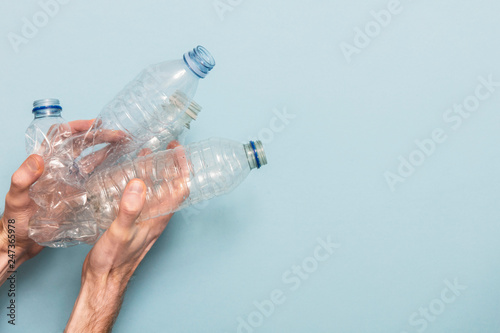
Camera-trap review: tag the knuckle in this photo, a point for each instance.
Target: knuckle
(14, 202)
(121, 235)
(130, 208)
(17, 180)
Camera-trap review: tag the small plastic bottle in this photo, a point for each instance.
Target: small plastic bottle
(176, 178)
(62, 219)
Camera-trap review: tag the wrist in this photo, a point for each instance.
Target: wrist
(98, 302)
(11, 257)
(108, 281)
(9, 240)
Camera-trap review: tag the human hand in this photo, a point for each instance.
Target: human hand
(114, 258)
(127, 240)
(59, 192)
(165, 173)
(68, 141)
(19, 208)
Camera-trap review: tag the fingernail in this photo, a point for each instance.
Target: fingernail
(33, 164)
(136, 187)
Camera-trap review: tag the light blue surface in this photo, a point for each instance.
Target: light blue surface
(399, 249)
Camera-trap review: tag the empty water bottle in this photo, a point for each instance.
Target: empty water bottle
(176, 178)
(173, 131)
(155, 106)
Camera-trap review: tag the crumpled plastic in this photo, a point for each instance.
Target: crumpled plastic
(65, 216)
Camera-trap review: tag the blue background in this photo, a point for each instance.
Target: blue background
(326, 173)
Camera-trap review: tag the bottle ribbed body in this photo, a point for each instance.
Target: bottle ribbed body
(148, 104)
(174, 178)
(150, 108)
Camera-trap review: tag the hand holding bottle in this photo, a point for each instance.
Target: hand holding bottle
(112, 261)
(200, 170)
(61, 198)
(19, 208)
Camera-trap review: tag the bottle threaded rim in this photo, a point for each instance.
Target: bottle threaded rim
(200, 61)
(46, 106)
(255, 154)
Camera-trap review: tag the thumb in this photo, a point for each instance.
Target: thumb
(26, 175)
(132, 202)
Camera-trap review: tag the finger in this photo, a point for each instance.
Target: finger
(182, 161)
(93, 138)
(131, 204)
(144, 152)
(92, 161)
(26, 175)
(109, 136)
(57, 134)
(80, 125)
(173, 144)
(54, 135)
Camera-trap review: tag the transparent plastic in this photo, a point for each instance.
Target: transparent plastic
(155, 107)
(176, 178)
(152, 110)
(62, 215)
(129, 149)
(47, 116)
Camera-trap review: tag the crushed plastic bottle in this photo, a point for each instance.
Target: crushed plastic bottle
(47, 118)
(47, 136)
(176, 178)
(62, 215)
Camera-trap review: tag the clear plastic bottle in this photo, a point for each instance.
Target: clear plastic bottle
(150, 111)
(38, 136)
(159, 141)
(176, 178)
(155, 106)
(47, 136)
(62, 219)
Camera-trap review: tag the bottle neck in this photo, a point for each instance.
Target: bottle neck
(199, 61)
(179, 101)
(190, 114)
(255, 154)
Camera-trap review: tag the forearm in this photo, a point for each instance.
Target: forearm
(98, 303)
